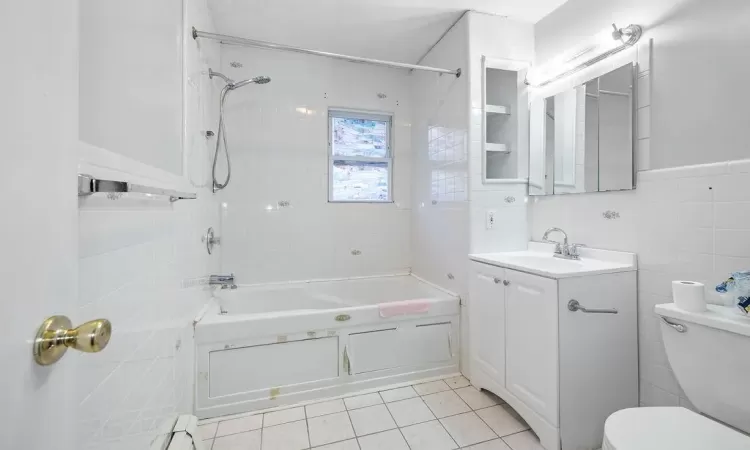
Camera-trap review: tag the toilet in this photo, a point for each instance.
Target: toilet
(710, 355)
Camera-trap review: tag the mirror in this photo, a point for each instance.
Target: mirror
(581, 139)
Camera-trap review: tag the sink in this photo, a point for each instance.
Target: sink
(538, 259)
(547, 262)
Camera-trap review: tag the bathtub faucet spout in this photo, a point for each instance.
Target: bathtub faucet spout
(225, 281)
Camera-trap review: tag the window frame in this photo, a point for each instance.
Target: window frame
(343, 113)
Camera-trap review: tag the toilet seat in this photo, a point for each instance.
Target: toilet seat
(671, 428)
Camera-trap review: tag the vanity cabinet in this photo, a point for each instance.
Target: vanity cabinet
(563, 371)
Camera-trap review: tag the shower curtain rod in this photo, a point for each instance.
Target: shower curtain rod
(262, 44)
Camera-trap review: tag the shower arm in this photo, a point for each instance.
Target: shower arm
(226, 79)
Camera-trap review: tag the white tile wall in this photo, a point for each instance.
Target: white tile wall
(278, 139)
(447, 154)
(141, 264)
(439, 224)
(687, 223)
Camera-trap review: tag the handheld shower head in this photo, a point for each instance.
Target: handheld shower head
(221, 134)
(256, 80)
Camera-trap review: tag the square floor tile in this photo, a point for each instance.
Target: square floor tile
(523, 441)
(208, 431)
(320, 409)
(284, 416)
(467, 429)
(410, 412)
(445, 404)
(477, 399)
(351, 444)
(362, 401)
(371, 420)
(428, 436)
(234, 426)
(330, 428)
(289, 436)
(431, 387)
(239, 441)
(503, 420)
(496, 444)
(457, 382)
(395, 395)
(387, 440)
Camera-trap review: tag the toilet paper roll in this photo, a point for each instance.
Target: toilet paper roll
(689, 295)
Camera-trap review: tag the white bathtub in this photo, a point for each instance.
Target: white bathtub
(265, 346)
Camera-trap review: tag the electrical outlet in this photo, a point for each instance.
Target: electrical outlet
(490, 219)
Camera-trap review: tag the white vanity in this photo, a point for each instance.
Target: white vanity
(557, 339)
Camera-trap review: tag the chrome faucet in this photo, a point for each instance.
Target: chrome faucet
(225, 281)
(562, 249)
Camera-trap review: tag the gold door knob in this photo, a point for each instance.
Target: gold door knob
(55, 336)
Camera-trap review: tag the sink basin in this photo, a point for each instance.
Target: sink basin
(546, 262)
(539, 260)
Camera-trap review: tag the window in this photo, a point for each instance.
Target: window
(360, 162)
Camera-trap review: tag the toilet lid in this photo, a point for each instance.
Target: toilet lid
(668, 429)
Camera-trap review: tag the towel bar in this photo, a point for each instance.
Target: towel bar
(88, 185)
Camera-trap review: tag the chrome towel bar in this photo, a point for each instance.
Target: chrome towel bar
(88, 185)
(574, 306)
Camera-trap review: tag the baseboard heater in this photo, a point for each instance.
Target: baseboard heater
(180, 433)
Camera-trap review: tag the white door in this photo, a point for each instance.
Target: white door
(38, 267)
(487, 311)
(531, 342)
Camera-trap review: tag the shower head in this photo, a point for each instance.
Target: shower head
(262, 79)
(256, 80)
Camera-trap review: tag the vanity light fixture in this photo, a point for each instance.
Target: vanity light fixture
(604, 45)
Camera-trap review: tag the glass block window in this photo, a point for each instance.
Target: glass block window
(360, 162)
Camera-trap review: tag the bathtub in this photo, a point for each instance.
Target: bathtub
(265, 346)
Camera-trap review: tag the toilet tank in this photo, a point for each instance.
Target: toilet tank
(710, 355)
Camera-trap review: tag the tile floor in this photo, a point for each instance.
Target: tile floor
(439, 415)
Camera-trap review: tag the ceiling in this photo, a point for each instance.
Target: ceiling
(398, 30)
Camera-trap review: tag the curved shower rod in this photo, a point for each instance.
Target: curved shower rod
(225, 39)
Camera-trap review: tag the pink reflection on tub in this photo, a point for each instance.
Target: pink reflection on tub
(403, 308)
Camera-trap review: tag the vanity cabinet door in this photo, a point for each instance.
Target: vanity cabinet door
(487, 321)
(531, 342)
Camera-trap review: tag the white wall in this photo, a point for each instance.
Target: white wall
(497, 38)
(131, 79)
(699, 79)
(686, 222)
(142, 262)
(440, 226)
(278, 140)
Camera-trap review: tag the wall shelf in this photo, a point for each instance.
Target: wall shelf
(496, 148)
(497, 109)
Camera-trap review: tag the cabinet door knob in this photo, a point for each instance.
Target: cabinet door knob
(497, 280)
(506, 282)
